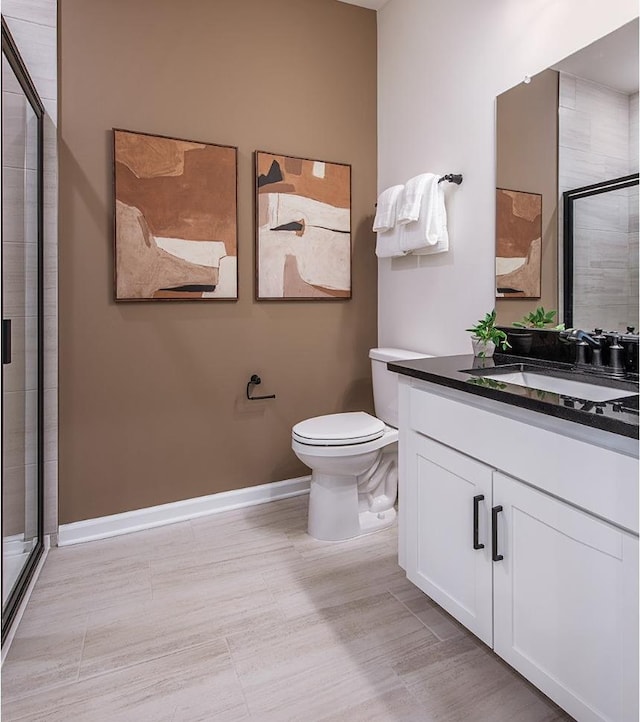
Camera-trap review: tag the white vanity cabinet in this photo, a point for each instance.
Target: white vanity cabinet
(544, 574)
(443, 559)
(565, 602)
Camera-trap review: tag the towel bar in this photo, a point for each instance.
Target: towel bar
(452, 178)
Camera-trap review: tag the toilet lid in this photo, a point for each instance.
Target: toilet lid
(355, 427)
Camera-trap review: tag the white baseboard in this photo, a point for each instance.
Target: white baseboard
(149, 517)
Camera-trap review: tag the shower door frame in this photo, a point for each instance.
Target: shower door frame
(568, 199)
(11, 53)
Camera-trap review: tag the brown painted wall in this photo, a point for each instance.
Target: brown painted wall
(527, 160)
(152, 395)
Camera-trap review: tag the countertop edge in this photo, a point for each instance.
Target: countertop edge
(605, 423)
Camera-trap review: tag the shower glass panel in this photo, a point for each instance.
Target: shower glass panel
(21, 329)
(601, 255)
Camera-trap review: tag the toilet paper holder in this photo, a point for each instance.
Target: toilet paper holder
(255, 380)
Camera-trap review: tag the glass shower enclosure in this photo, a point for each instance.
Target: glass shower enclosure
(22, 329)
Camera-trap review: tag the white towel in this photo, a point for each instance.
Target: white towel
(439, 227)
(412, 197)
(387, 209)
(440, 247)
(388, 243)
(431, 224)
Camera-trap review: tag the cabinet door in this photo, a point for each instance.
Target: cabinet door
(566, 603)
(441, 485)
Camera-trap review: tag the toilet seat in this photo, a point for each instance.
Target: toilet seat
(345, 429)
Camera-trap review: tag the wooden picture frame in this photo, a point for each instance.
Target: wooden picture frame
(175, 218)
(302, 229)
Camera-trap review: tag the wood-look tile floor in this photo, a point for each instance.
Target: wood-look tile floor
(242, 616)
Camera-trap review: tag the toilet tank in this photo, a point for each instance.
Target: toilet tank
(385, 382)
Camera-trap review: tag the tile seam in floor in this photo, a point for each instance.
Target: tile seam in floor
(274, 601)
(404, 686)
(40, 690)
(424, 624)
(72, 682)
(146, 660)
(84, 640)
(237, 676)
(55, 685)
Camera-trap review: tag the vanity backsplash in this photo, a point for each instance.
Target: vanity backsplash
(548, 345)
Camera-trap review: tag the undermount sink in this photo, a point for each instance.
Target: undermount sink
(555, 384)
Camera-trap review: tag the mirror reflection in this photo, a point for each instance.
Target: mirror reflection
(600, 237)
(575, 125)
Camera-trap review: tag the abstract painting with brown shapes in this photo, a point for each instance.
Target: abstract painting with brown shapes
(175, 219)
(303, 229)
(518, 244)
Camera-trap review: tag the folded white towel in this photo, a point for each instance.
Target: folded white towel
(440, 247)
(387, 209)
(412, 197)
(431, 227)
(388, 243)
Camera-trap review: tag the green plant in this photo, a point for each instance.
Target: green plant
(539, 319)
(488, 383)
(485, 330)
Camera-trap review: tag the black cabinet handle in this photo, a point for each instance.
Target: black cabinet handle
(6, 341)
(476, 502)
(494, 534)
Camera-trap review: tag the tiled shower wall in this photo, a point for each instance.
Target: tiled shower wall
(33, 24)
(19, 254)
(598, 141)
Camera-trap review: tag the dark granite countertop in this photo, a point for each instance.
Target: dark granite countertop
(465, 373)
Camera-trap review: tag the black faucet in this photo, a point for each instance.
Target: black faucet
(609, 342)
(583, 341)
(616, 352)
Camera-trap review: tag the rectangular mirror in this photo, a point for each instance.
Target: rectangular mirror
(573, 126)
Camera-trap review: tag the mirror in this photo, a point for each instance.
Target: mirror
(574, 125)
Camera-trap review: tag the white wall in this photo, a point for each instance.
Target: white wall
(440, 67)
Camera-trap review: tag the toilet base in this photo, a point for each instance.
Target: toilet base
(334, 510)
(370, 521)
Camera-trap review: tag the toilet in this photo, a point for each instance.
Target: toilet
(353, 458)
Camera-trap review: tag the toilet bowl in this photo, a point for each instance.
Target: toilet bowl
(353, 458)
(347, 472)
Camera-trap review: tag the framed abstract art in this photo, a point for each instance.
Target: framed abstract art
(518, 244)
(303, 228)
(175, 219)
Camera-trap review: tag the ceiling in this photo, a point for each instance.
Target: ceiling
(610, 61)
(371, 4)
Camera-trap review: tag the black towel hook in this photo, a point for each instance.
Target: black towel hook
(255, 380)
